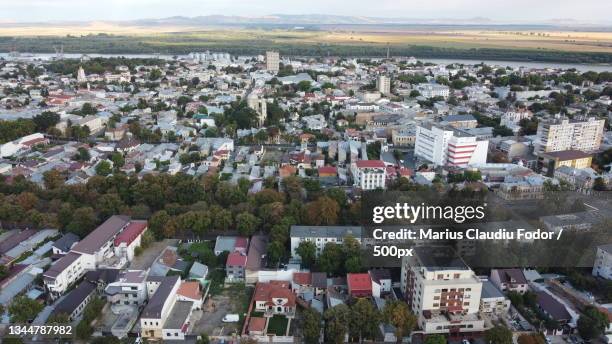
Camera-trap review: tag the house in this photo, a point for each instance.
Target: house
(369, 174)
(321, 235)
(157, 310)
(177, 324)
(509, 280)
(129, 289)
(359, 284)
(301, 285)
(256, 258)
(65, 243)
(274, 298)
(191, 291)
(492, 300)
(553, 308)
(75, 302)
(230, 244)
(235, 267)
(257, 326)
(381, 281)
(198, 272)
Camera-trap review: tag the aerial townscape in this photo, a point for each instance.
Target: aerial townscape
(214, 197)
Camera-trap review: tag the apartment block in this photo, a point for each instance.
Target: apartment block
(562, 134)
(442, 291)
(448, 146)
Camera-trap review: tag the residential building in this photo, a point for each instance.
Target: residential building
(460, 121)
(383, 84)
(369, 174)
(158, 309)
(381, 282)
(75, 302)
(322, 235)
(235, 267)
(447, 146)
(359, 284)
(65, 243)
(442, 291)
(126, 242)
(433, 90)
(274, 297)
(509, 280)
(492, 300)
(272, 61)
(129, 289)
(562, 134)
(550, 161)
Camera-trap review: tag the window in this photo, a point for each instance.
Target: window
(436, 298)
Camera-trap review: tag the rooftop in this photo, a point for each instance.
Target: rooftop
(101, 235)
(156, 303)
(179, 315)
(131, 232)
(439, 258)
(326, 231)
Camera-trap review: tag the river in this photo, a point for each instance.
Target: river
(513, 64)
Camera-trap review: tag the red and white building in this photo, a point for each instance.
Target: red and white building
(447, 146)
(369, 174)
(130, 238)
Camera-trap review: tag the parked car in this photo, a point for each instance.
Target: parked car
(231, 318)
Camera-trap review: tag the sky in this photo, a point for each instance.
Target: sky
(592, 11)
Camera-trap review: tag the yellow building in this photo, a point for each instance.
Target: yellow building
(572, 158)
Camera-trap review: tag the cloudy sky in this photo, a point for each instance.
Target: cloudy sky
(502, 10)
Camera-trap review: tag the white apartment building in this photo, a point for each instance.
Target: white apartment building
(603, 262)
(433, 90)
(442, 291)
(512, 117)
(444, 145)
(561, 134)
(129, 289)
(369, 174)
(383, 84)
(96, 249)
(272, 61)
(321, 235)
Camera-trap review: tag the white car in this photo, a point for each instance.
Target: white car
(231, 318)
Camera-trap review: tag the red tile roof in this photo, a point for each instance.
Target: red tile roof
(131, 232)
(370, 164)
(302, 278)
(190, 289)
(236, 259)
(267, 292)
(359, 282)
(324, 170)
(257, 324)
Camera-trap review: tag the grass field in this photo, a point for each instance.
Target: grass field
(571, 41)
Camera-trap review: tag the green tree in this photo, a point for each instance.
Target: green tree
(592, 323)
(331, 258)
(84, 330)
(308, 253)
(435, 339)
(46, 120)
(364, 319)
(246, 223)
(311, 326)
(22, 309)
(53, 179)
(103, 168)
(398, 314)
(498, 335)
(83, 221)
(117, 159)
(336, 323)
